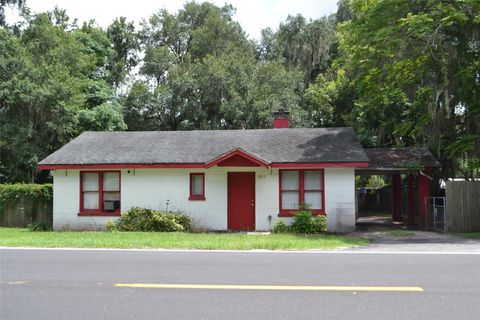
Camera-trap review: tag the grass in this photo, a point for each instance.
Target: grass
(14, 237)
(470, 234)
(399, 233)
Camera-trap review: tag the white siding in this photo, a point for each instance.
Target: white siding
(66, 203)
(340, 199)
(151, 188)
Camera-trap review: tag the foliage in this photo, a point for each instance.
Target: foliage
(183, 220)
(51, 89)
(200, 72)
(375, 182)
(140, 219)
(11, 192)
(303, 222)
(302, 44)
(331, 101)
(401, 73)
(319, 224)
(414, 68)
(124, 56)
(107, 116)
(42, 227)
(280, 227)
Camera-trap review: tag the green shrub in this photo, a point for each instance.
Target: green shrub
(39, 227)
(280, 227)
(140, 219)
(165, 223)
(111, 225)
(303, 222)
(183, 220)
(319, 224)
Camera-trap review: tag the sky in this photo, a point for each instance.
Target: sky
(253, 15)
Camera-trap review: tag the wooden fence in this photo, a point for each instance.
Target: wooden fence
(463, 206)
(23, 211)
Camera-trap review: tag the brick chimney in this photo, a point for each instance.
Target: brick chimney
(280, 119)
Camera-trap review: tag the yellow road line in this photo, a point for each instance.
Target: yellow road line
(268, 287)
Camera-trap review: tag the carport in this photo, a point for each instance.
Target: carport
(415, 165)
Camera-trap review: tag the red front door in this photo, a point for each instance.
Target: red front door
(241, 201)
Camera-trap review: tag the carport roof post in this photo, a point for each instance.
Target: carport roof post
(411, 199)
(423, 194)
(396, 198)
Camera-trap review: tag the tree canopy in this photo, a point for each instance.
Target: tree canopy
(414, 70)
(402, 73)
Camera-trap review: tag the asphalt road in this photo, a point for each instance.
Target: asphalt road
(79, 284)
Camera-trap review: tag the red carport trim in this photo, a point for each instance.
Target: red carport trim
(236, 152)
(319, 164)
(120, 166)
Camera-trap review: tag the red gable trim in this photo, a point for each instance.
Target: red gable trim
(233, 153)
(120, 166)
(319, 164)
(237, 161)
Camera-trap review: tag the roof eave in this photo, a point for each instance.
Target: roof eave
(359, 164)
(105, 166)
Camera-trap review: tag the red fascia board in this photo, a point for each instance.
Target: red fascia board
(105, 166)
(120, 166)
(319, 164)
(235, 152)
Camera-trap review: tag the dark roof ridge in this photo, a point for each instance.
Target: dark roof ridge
(218, 130)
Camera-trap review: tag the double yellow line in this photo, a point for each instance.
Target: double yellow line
(268, 287)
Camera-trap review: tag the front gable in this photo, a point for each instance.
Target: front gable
(237, 158)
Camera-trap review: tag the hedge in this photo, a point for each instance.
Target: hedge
(11, 192)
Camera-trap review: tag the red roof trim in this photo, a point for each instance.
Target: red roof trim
(236, 152)
(120, 166)
(319, 164)
(209, 164)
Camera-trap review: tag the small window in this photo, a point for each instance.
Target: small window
(111, 191)
(100, 193)
(313, 189)
(301, 186)
(290, 190)
(197, 186)
(91, 191)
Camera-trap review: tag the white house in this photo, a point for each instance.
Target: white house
(225, 179)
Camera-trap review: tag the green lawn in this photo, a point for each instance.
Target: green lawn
(470, 234)
(13, 237)
(399, 233)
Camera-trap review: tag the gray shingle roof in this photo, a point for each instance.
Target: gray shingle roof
(401, 158)
(162, 147)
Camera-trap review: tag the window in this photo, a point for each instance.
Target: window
(100, 193)
(290, 190)
(197, 186)
(301, 186)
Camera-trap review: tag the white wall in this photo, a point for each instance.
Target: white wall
(151, 188)
(340, 199)
(66, 204)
